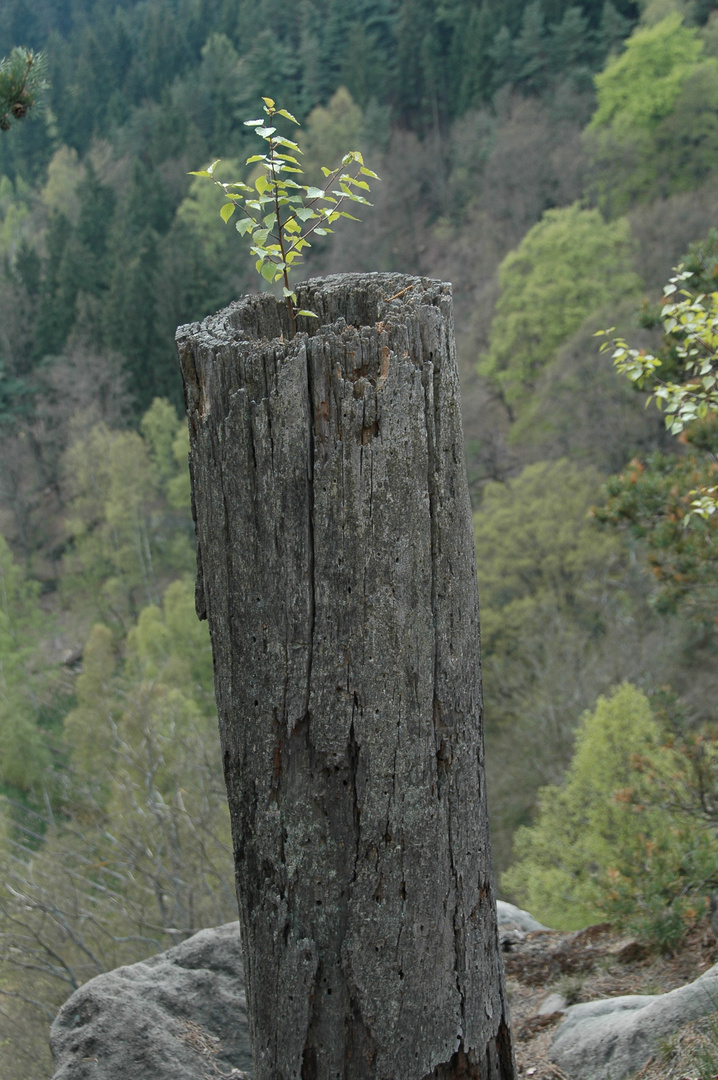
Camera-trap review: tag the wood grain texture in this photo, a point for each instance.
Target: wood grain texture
(336, 568)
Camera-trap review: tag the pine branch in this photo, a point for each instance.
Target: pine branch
(22, 83)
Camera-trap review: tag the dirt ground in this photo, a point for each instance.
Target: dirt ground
(597, 963)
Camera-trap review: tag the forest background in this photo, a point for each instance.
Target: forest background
(554, 161)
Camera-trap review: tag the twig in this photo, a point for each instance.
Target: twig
(397, 295)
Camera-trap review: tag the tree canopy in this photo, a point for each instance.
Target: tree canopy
(568, 265)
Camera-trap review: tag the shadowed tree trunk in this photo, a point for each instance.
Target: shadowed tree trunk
(336, 567)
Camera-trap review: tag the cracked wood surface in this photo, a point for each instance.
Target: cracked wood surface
(336, 568)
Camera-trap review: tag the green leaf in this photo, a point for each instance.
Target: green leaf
(314, 193)
(202, 172)
(260, 236)
(288, 293)
(281, 141)
(368, 172)
(244, 226)
(288, 115)
(268, 271)
(266, 132)
(254, 123)
(268, 102)
(307, 314)
(261, 184)
(352, 196)
(255, 157)
(226, 211)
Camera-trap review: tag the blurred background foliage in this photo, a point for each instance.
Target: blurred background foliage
(554, 160)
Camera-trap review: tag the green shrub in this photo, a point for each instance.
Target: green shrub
(616, 840)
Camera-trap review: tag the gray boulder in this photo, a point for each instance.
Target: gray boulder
(515, 918)
(510, 915)
(608, 1039)
(181, 1015)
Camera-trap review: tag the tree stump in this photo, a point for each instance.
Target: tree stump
(336, 568)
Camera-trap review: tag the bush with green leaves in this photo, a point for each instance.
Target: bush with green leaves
(567, 266)
(278, 213)
(608, 842)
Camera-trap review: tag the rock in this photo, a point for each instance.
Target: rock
(552, 1004)
(515, 918)
(627, 951)
(180, 1015)
(608, 1039)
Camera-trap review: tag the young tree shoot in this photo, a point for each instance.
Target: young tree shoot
(279, 214)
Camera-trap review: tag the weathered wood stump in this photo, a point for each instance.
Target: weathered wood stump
(336, 567)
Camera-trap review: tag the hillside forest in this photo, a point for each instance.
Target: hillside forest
(554, 161)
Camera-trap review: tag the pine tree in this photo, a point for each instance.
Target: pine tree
(571, 40)
(473, 64)
(532, 47)
(613, 29)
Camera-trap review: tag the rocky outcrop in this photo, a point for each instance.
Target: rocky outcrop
(180, 1015)
(611, 1038)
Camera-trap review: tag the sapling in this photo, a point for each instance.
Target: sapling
(279, 214)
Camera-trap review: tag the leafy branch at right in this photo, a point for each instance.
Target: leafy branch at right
(690, 326)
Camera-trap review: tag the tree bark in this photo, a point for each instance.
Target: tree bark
(336, 567)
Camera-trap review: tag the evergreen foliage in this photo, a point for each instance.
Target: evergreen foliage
(603, 844)
(22, 82)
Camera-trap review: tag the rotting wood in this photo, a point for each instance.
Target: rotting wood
(336, 567)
